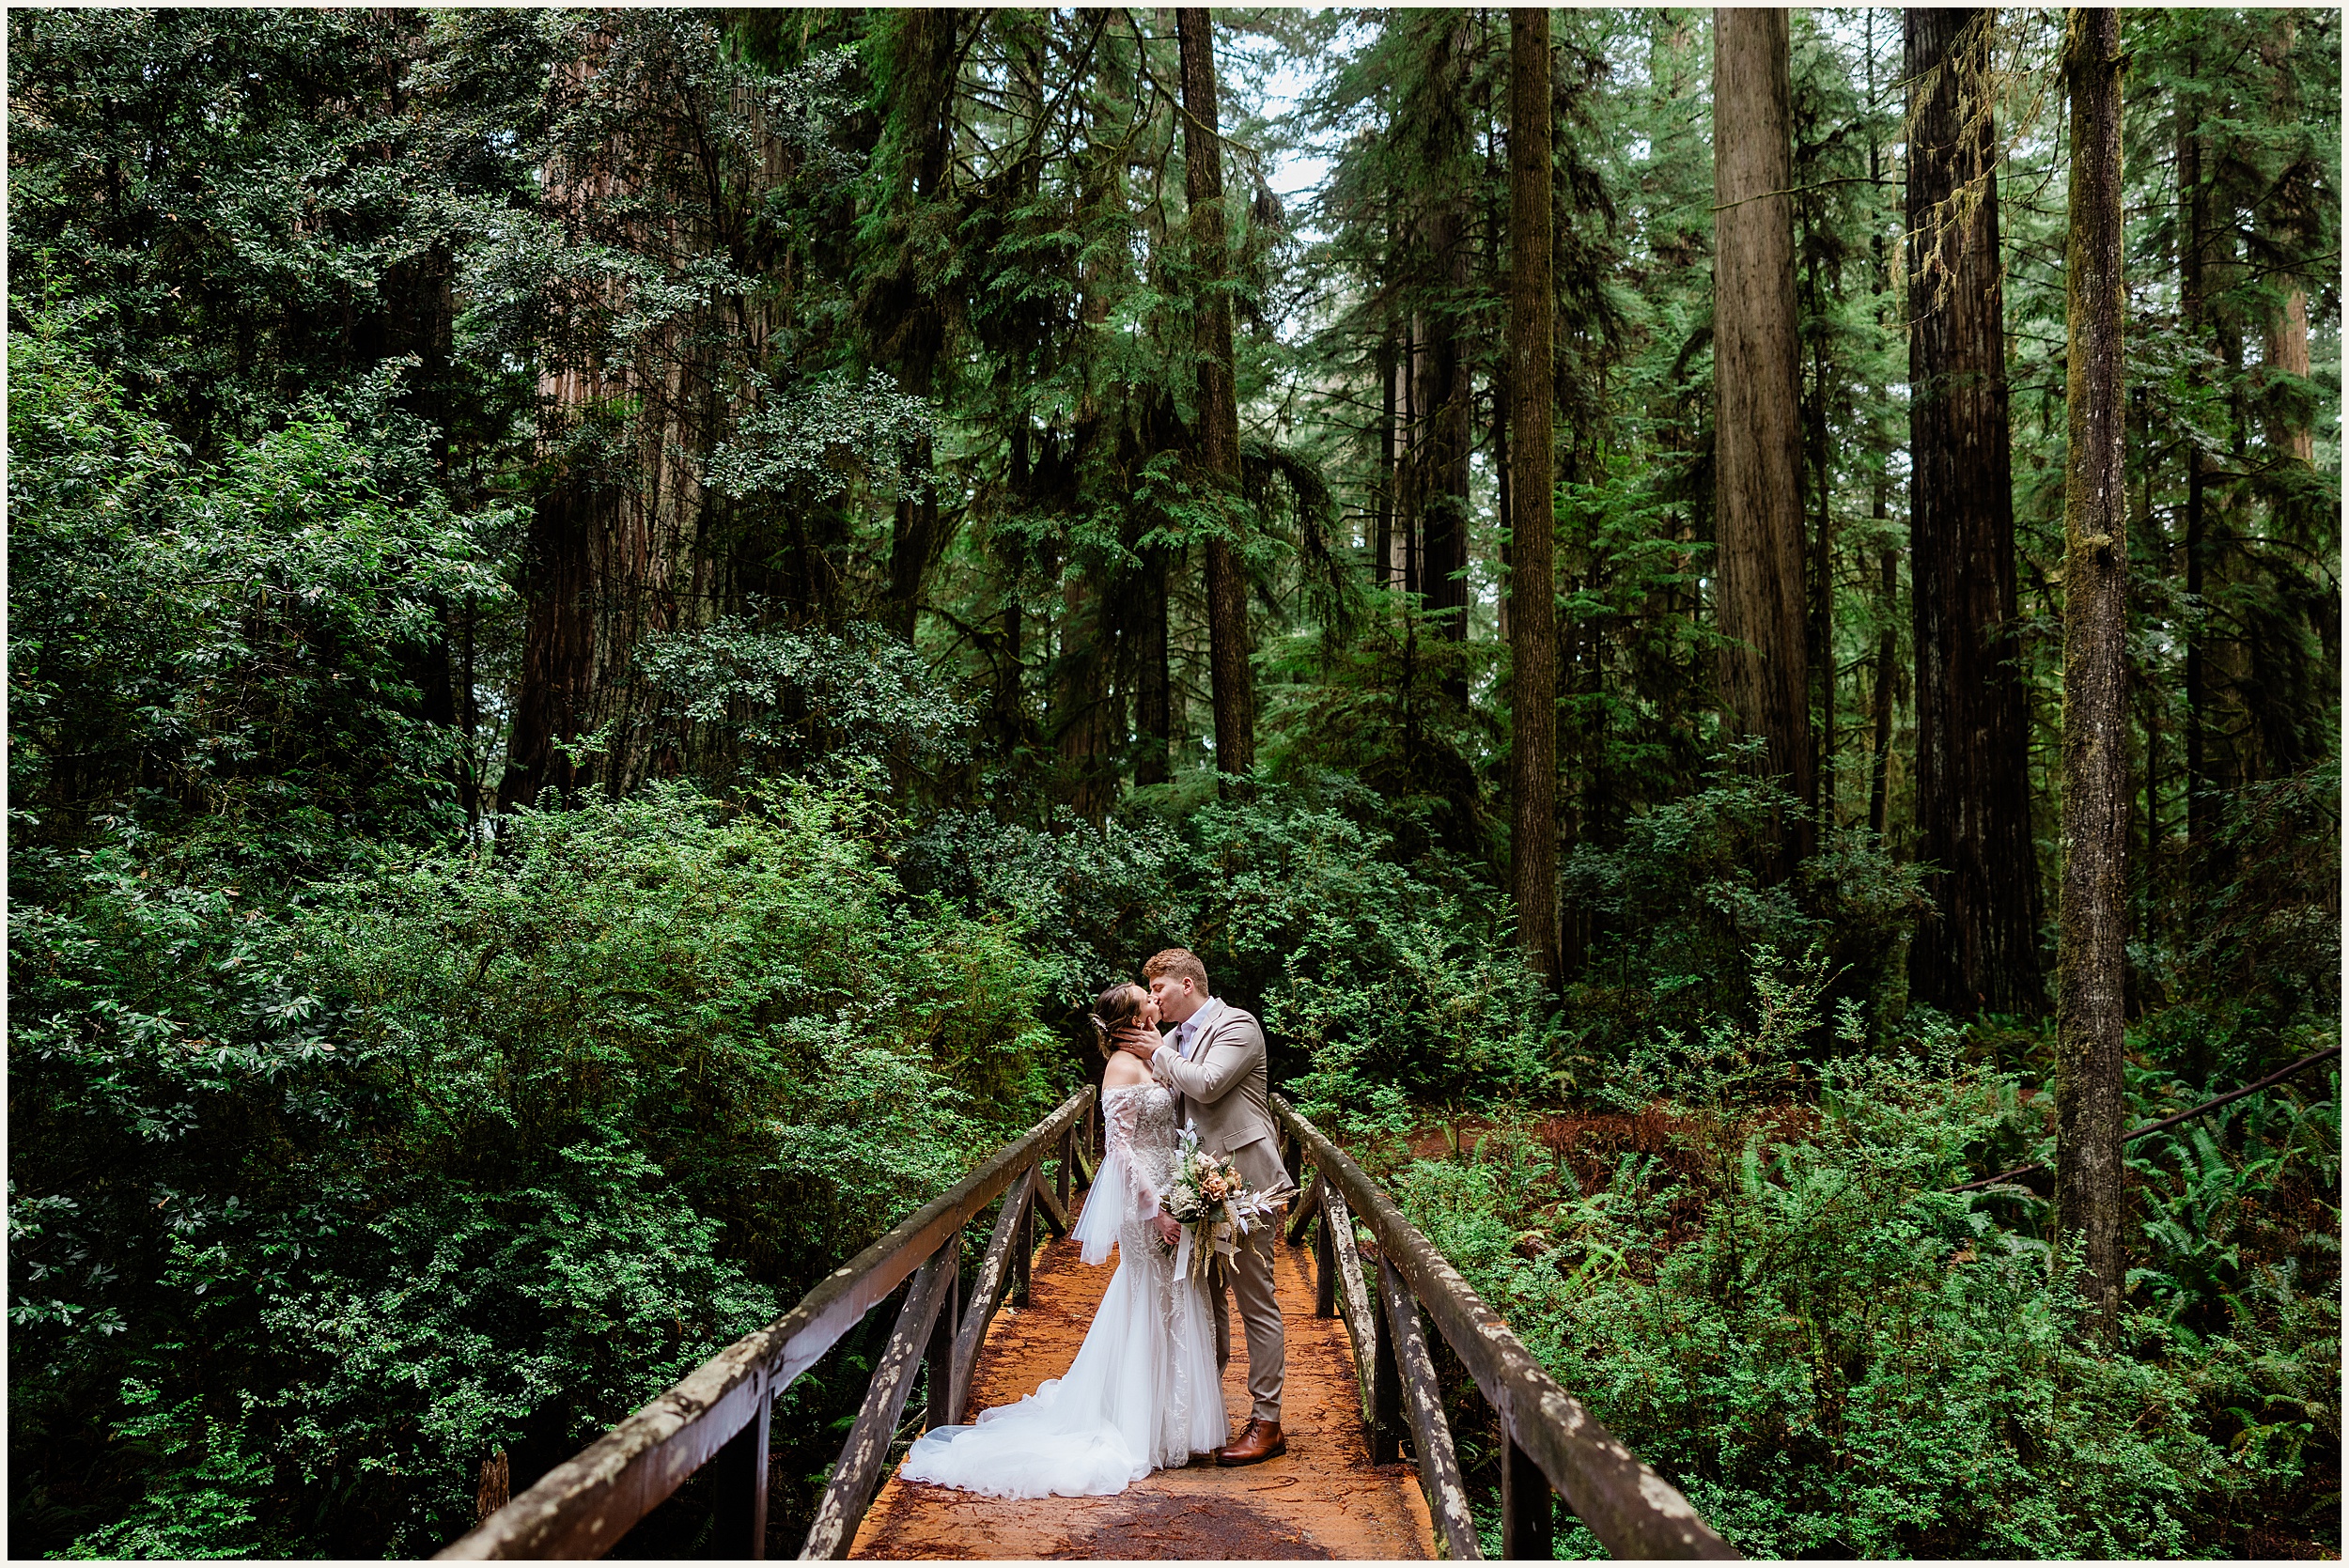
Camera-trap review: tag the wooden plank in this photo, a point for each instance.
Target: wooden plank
(1630, 1508)
(865, 1454)
(1361, 1325)
(739, 1527)
(1060, 1171)
(1431, 1435)
(986, 1294)
(1307, 1206)
(582, 1507)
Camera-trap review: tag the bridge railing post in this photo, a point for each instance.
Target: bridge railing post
(1386, 1392)
(1325, 1269)
(1023, 1244)
(739, 1509)
(720, 1413)
(938, 1358)
(1528, 1515)
(1553, 1447)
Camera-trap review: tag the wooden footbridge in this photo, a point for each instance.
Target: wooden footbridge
(1361, 1389)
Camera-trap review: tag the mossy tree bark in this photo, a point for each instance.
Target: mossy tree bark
(1758, 397)
(1981, 952)
(925, 76)
(1532, 545)
(1230, 676)
(1448, 392)
(2093, 911)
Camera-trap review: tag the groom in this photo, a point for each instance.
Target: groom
(1214, 1063)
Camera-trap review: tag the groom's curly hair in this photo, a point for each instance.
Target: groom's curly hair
(1178, 962)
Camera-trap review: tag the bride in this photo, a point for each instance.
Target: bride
(1143, 1392)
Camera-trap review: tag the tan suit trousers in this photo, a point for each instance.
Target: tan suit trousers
(1248, 1276)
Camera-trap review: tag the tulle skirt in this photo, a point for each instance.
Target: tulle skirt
(1142, 1393)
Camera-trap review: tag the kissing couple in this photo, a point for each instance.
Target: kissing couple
(1146, 1390)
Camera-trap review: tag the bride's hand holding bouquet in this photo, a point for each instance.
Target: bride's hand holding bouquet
(1212, 1202)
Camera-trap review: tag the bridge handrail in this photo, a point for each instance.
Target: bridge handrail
(583, 1506)
(1625, 1502)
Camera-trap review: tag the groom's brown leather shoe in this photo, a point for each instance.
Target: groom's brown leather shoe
(1258, 1440)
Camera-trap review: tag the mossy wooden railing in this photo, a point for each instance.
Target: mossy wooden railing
(718, 1416)
(1385, 1292)
(1551, 1442)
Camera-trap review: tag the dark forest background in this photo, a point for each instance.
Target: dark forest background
(616, 617)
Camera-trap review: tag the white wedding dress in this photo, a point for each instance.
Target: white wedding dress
(1144, 1390)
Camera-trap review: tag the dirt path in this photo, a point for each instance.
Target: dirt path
(1323, 1498)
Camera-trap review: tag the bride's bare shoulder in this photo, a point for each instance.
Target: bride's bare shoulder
(1123, 1071)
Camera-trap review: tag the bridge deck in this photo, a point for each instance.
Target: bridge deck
(1324, 1498)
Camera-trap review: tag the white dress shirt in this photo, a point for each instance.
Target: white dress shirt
(1190, 1029)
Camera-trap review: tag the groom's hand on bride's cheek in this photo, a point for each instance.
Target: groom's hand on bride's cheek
(1139, 1040)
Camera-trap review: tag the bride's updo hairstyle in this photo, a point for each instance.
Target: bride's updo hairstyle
(1113, 1010)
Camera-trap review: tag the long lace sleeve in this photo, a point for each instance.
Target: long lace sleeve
(1120, 1192)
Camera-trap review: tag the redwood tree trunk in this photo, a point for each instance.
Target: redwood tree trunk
(1447, 402)
(1974, 728)
(1533, 543)
(1382, 534)
(1758, 396)
(1232, 681)
(926, 74)
(2193, 256)
(558, 663)
(2093, 913)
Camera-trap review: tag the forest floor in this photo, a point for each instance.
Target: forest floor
(1323, 1500)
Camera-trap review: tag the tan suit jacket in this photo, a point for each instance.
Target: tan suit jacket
(1222, 1091)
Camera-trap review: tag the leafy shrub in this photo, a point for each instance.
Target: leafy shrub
(1847, 1359)
(1687, 893)
(228, 639)
(317, 1206)
(1377, 984)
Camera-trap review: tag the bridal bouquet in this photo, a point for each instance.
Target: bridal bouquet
(1212, 1201)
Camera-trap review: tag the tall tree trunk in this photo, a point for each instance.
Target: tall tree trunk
(1154, 687)
(1973, 726)
(2288, 329)
(2094, 912)
(1503, 484)
(1415, 448)
(1822, 629)
(1096, 607)
(1758, 396)
(1880, 763)
(2193, 257)
(1447, 405)
(554, 695)
(2288, 355)
(925, 84)
(1879, 508)
(1232, 681)
(1081, 738)
(1532, 595)
(1382, 534)
(1007, 721)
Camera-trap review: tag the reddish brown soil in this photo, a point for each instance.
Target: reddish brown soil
(1322, 1499)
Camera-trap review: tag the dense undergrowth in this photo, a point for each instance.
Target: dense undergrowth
(351, 1141)
(1777, 1303)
